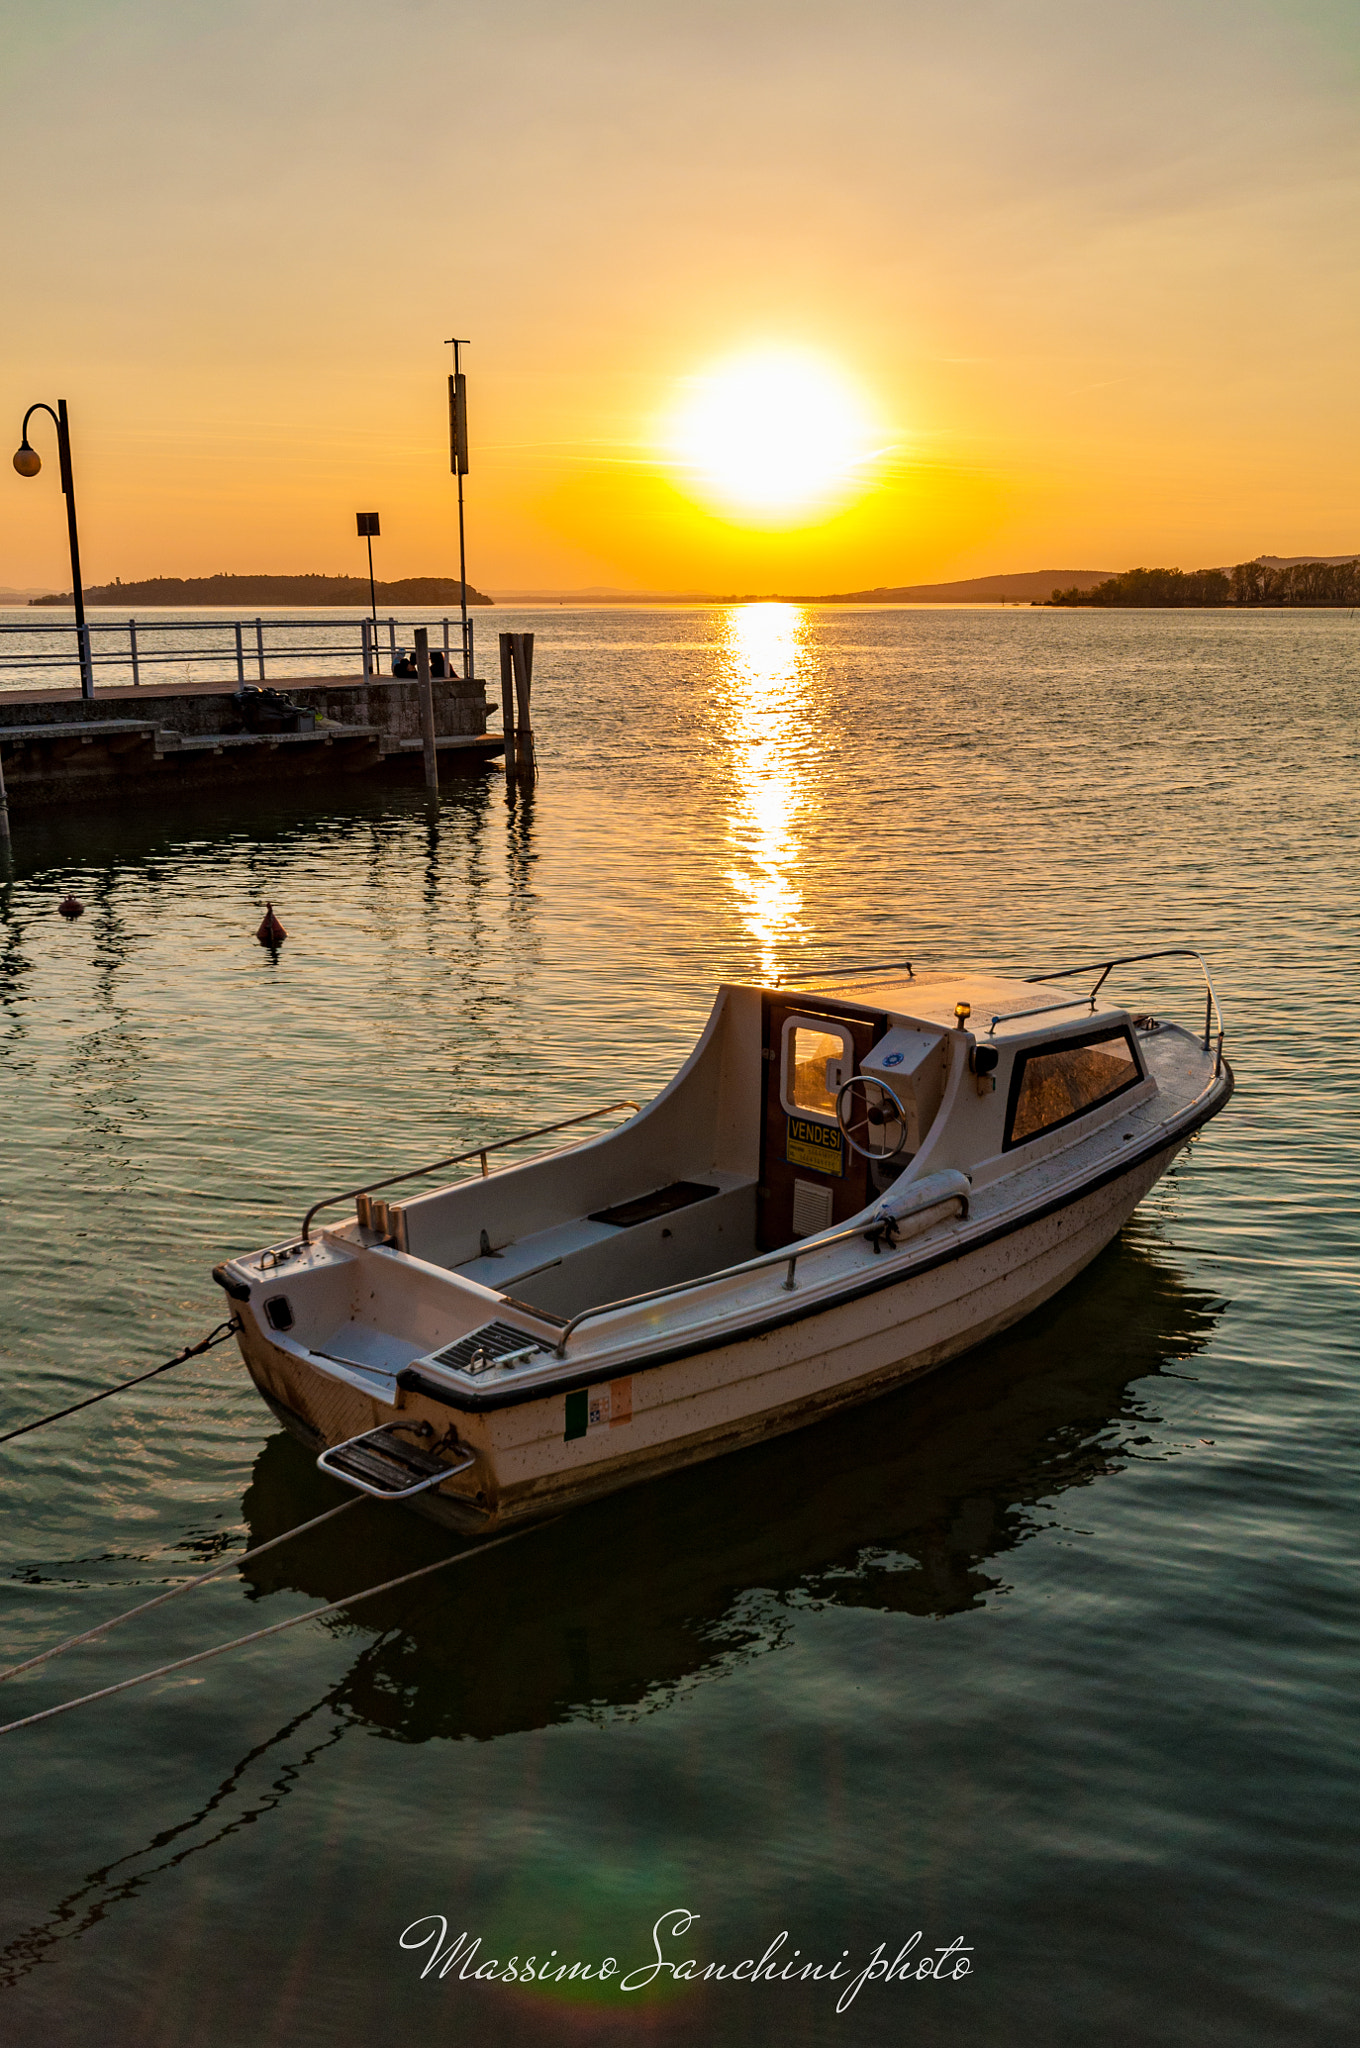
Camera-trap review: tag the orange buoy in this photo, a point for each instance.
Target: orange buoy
(271, 932)
(71, 906)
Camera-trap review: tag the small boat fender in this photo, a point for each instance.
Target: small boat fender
(231, 1284)
(949, 1185)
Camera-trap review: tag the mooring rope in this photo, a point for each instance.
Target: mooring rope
(258, 1635)
(225, 1564)
(217, 1336)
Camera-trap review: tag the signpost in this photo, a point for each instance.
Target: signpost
(368, 525)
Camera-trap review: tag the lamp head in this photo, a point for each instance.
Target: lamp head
(27, 460)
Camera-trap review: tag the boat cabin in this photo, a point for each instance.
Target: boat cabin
(798, 1109)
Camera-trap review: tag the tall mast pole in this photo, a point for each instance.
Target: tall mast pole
(458, 461)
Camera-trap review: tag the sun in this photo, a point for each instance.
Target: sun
(774, 434)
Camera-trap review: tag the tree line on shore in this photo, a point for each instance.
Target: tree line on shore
(1249, 583)
(227, 592)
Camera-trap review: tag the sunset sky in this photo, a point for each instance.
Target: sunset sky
(1049, 283)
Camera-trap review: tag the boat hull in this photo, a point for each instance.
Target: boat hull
(679, 1410)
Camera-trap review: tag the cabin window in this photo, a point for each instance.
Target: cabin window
(1054, 1084)
(818, 1057)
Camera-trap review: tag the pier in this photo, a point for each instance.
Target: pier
(129, 742)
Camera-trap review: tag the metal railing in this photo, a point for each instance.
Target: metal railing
(1103, 969)
(243, 648)
(459, 1159)
(788, 1255)
(842, 973)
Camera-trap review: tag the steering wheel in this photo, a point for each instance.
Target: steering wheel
(872, 1117)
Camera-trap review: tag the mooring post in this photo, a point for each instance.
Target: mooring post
(4, 814)
(508, 708)
(427, 710)
(526, 768)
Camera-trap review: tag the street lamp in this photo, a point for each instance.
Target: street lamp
(28, 462)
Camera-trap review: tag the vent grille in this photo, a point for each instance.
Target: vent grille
(492, 1345)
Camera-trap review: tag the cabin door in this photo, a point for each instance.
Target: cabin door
(810, 1179)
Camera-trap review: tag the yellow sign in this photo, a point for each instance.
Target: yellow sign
(816, 1145)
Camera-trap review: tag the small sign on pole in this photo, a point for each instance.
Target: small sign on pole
(368, 526)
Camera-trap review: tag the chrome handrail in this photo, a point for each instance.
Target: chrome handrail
(459, 1159)
(787, 1256)
(841, 972)
(1104, 968)
(1040, 1010)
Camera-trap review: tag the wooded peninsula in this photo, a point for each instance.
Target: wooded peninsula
(1250, 583)
(250, 593)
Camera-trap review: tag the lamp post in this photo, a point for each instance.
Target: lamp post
(28, 462)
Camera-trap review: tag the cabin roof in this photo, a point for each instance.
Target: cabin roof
(932, 995)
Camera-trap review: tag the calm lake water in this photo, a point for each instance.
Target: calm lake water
(1053, 1655)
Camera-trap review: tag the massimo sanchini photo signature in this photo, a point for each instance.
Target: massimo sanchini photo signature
(913, 1963)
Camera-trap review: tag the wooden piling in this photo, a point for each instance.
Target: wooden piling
(508, 709)
(427, 710)
(522, 652)
(4, 815)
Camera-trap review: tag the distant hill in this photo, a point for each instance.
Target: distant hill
(1297, 561)
(1025, 585)
(244, 593)
(1022, 587)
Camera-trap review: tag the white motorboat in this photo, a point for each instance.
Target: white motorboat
(849, 1182)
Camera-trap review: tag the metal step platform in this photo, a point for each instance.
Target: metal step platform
(380, 1463)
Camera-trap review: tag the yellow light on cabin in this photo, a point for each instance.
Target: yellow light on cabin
(773, 435)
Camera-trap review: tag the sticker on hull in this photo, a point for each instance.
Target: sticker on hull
(603, 1407)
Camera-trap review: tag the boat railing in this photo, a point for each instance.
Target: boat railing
(922, 1197)
(842, 972)
(1103, 969)
(480, 1152)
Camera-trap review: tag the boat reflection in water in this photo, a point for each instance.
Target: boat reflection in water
(908, 1505)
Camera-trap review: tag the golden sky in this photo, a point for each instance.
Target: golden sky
(1084, 274)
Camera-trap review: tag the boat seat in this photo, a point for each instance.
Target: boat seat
(663, 1202)
(508, 1264)
(511, 1263)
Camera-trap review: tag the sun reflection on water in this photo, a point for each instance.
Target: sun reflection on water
(765, 657)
